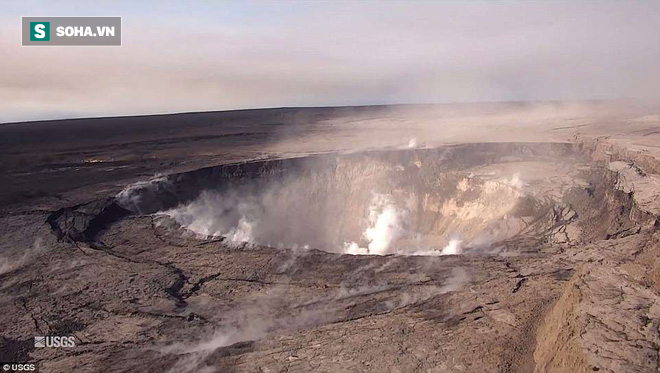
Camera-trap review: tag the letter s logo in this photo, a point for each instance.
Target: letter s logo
(39, 31)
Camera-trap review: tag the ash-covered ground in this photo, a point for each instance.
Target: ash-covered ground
(512, 237)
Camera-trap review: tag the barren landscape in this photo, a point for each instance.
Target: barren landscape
(493, 237)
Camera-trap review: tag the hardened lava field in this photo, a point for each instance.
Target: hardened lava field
(472, 256)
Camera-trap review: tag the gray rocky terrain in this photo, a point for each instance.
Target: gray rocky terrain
(517, 237)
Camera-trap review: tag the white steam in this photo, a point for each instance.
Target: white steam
(131, 196)
(473, 213)
(387, 225)
(12, 263)
(452, 248)
(214, 215)
(242, 232)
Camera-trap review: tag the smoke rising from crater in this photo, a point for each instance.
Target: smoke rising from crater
(320, 206)
(387, 224)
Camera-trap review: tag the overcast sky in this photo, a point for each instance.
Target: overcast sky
(215, 55)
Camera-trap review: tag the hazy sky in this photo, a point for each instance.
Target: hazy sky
(216, 55)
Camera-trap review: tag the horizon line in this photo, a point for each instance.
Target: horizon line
(157, 114)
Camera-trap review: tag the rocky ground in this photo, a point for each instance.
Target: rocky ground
(568, 281)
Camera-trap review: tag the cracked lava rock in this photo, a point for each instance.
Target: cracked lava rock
(218, 242)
